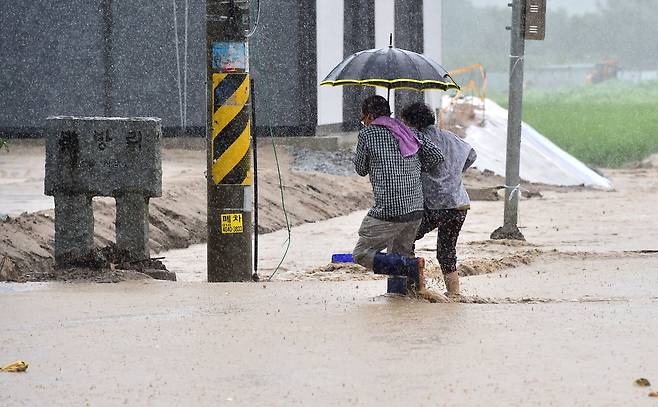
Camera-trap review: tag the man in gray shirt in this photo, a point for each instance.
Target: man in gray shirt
(392, 155)
(446, 199)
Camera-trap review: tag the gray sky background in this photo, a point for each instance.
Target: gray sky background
(573, 6)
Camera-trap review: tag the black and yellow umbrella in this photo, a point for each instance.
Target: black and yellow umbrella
(390, 68)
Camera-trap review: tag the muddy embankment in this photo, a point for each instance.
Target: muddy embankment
(317, 185)
(178, 218)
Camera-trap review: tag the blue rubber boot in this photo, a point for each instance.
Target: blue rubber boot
(393, 264)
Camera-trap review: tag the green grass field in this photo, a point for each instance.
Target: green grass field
(606, 125)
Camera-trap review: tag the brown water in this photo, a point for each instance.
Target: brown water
(340, 343)
(562, 225)
(574, 327)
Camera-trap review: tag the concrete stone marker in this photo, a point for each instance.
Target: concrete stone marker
(100, 156)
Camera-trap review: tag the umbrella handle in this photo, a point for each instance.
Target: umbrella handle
(388, 95)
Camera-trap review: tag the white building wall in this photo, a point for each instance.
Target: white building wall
(384, 26)
(433, 33)
(330, 49)
(330, 53)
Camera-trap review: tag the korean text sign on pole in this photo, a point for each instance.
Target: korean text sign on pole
(229, 175)
(534, 27)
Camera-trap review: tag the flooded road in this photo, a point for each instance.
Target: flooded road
(565, 225)
(340, 343)
(21, 179)
(572, 324)
(312, 245)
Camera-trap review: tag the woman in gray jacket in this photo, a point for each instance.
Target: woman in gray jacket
(446, 201)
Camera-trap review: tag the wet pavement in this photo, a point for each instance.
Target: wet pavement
(320, 343)
(21, 181)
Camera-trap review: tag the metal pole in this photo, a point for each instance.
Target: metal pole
(510, 230)
(229, 176)
(255, 158)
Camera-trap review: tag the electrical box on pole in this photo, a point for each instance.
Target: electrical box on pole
(535, 20)
(228, 128)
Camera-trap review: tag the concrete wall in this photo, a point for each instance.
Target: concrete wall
(145, 64)
(637, 76)
(358, 35)
(284, 67)
(52, 61)
(409, 33)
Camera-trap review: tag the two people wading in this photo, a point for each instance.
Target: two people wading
(415, 172)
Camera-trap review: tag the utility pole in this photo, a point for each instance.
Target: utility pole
(528, 22)
(228, 128)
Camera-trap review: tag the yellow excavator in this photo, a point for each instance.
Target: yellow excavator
(475, 85)
(603, 71)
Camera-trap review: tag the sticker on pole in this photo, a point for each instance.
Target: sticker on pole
(230, 56)
(232, 223)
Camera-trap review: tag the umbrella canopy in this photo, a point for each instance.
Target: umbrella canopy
(390, 68)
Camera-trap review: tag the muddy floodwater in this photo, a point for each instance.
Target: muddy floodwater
(338, 343)
(566, 318)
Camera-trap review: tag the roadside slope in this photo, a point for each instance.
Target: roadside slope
(178, 218)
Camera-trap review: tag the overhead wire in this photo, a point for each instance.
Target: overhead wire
(253, 30)
(283, 206)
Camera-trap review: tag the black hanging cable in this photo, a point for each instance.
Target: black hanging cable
(283, 205)
(255, 276)
(254, 139)
(253, 30)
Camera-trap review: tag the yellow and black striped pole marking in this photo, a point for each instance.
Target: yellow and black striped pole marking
(231, 130)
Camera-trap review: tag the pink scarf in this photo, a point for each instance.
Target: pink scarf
(409, 143)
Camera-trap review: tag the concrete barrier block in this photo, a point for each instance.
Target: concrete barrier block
(103, 156)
